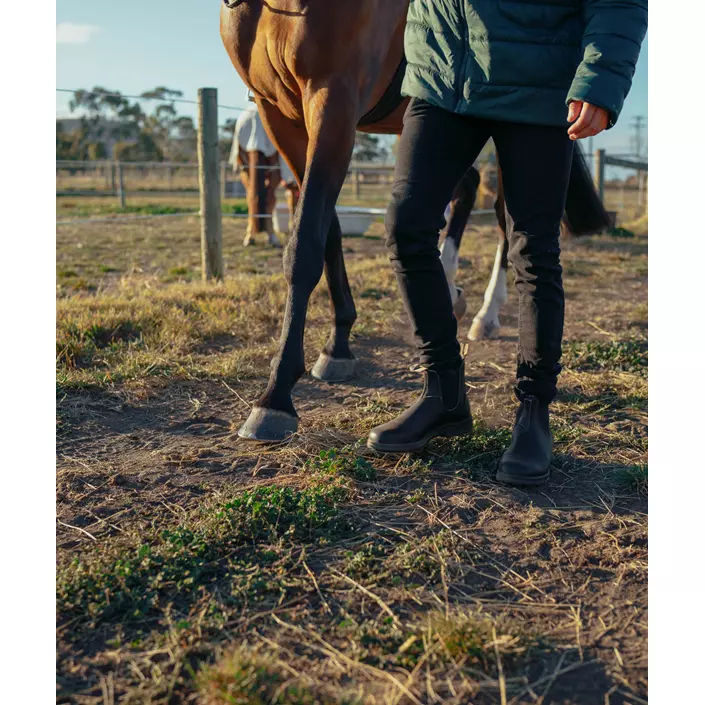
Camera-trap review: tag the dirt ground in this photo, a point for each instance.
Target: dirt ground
(194, 566)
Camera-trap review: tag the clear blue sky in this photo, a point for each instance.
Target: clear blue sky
(133, 46)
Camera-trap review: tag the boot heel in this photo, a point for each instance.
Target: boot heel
(460, 428)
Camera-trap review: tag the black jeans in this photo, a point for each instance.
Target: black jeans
(435, 150)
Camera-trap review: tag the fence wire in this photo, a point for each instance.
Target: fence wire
(131, 218)
(142, 97)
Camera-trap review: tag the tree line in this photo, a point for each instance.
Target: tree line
(113, 126)
(150, 129)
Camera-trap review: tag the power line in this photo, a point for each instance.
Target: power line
(141, 97)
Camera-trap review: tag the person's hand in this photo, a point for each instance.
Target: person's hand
(587, 119)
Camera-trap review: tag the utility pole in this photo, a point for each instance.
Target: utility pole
(639, 126)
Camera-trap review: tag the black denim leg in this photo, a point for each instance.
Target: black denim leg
(435, 150)
(535, 163)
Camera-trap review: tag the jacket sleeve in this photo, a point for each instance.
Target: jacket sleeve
(614, 31)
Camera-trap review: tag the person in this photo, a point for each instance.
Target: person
(534, 76)
(251, 144)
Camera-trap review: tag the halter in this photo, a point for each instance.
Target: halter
(232, 3)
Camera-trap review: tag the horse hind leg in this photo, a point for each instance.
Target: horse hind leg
(486, 323)
(336, 363)
(461, 206)
(244, 168)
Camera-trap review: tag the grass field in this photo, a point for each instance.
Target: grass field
(196, 567)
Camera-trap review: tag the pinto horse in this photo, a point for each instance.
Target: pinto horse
(261, 172)
(319, 71)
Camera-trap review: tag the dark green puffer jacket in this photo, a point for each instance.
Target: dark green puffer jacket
(523, 60)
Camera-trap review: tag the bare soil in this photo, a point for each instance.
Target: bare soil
(564, 564)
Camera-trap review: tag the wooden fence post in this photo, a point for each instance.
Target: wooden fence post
(120, 185)
(223, 180)
(209, 186)
(355, 184)
(113, 172)
(600, 173)
(642, 184)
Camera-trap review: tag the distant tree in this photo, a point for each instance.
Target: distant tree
(103, 105)
(369, 148)
(64, 141)
(160, 132)
(174, 134)
(145, 150)
(184, 138)
(96, 151)
(73, 145)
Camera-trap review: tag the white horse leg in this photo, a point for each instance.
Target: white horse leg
(486, 323)
(449, 260)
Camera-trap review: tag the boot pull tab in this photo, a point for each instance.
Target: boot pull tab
(525, 411)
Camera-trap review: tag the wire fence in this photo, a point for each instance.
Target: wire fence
(626, 197)
(164, 99)
(164, 183)
(175, 184)
(104, 183)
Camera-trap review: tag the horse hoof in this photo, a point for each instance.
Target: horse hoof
(268, 425)
(461, 305)
(483, 330)
(332, 369)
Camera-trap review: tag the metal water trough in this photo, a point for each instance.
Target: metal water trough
(354, 220)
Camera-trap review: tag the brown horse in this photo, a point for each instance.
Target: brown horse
(261, 174)
(319, 71)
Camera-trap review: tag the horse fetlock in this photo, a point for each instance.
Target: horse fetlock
(460, 304)
(484, 328)
(277, 398)
(333, 369)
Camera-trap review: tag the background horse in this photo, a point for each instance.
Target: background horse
(261, 172)
(584, 214)
(320, 70)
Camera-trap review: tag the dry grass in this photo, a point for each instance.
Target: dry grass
(194, 567)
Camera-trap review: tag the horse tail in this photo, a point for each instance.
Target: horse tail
(584, 212)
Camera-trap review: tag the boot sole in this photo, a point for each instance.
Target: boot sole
(521, 481)
(451, 430)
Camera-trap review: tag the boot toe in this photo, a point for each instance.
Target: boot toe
(384, 436)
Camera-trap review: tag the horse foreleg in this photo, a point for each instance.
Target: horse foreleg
(256, 184)
(330, 123)
(461, 206)
(486, 323)
(244, 170)
(292, 199)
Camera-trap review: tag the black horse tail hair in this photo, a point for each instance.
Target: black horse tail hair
(585, 213)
